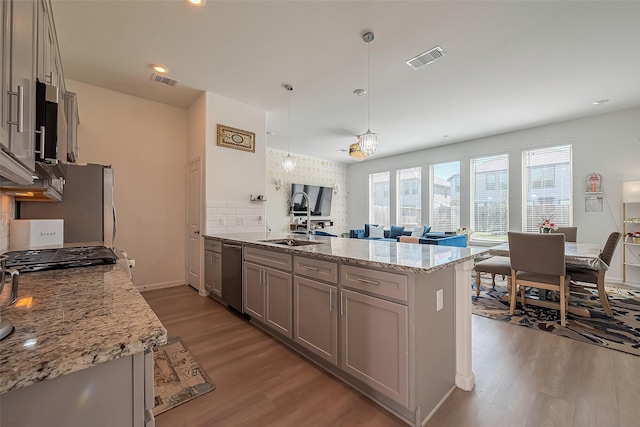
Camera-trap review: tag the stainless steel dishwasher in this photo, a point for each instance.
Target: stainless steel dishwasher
(232, 275)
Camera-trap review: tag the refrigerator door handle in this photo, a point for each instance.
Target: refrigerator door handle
(115, 224)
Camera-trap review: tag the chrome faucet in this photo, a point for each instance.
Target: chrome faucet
(308, 209)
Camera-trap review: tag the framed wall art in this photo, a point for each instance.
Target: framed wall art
(236, 138)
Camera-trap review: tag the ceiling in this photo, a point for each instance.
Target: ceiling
(509, 65)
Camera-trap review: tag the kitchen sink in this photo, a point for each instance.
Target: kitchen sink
(291, 242)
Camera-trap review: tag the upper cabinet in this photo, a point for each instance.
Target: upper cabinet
(17, 100)
(29, 54)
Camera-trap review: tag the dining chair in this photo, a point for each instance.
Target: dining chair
(596, 277)
(537, 260)
(494, 265)
(570, 233)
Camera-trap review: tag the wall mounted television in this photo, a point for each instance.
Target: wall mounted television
(319, 198)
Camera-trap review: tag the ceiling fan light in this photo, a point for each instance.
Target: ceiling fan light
(288, 163)
(368, 142)
(356, 153)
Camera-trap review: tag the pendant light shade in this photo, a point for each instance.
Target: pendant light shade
(368, 142)
(288, 161)
(356, 153)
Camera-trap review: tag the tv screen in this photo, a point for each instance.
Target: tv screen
(319, 198)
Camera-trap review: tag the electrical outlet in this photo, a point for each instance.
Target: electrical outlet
(240, 220)
(260, 219)
(439, 300)
(221, 221)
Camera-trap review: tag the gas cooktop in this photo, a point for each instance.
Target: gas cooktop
(53, 259)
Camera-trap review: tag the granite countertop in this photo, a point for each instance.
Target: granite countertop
(71, 319)
(410, 257)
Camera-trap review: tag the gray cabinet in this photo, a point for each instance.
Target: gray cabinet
(316, 317)
(18, 82)
(213, 267)
(268, 296)
(374, 343)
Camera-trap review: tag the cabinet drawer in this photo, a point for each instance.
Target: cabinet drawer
(382, 283)
(269, 258)
(316, 269)
(212, 245)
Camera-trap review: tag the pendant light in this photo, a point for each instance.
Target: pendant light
(289, 162)
(368, 141)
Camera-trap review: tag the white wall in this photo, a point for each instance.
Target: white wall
(146, 143)
(309, 170)
(232, 176)
(607, 144)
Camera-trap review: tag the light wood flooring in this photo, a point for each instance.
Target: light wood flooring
(523, 377)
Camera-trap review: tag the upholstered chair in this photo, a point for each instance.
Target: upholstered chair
(581, 276)
(537, 260)
(494, 265)
(570, 233)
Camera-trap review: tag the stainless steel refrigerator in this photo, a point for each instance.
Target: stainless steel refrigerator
(87, 206)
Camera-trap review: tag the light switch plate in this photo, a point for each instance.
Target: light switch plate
(439, 300)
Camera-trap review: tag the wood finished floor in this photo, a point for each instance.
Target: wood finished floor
(523, 377)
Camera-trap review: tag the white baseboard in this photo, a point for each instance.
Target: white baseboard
(160, 285)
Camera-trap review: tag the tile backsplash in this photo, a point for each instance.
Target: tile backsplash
(6, 214)
(224, 217)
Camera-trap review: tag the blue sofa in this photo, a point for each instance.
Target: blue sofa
(428, 238)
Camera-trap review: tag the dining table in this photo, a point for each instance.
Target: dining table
(577, 255)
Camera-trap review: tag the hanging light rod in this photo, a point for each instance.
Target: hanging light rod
(289, 162)
(368, 141)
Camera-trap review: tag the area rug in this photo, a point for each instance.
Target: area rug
(178, 378)
(620, 333)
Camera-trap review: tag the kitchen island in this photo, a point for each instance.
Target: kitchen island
(80, 352)
(393, 320)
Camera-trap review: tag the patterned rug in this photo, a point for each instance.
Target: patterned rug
(620, 333)
(178, 377)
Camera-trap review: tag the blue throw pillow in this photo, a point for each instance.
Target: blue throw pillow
(427, 229)
(396, 231)
(366, 229)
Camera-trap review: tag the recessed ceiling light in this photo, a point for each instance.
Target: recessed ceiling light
(601, 102)
(360, 92)
(197, 2)
(160, 69)
(445, 136)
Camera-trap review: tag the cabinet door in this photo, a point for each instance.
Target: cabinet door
(278, 301)
(217, 274)
(254, 291)
(374, 345)
(22, 108)
(316, 317)
(208, 270)
(5, 64)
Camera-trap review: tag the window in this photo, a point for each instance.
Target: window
(548, 186)
(379, 212)
(445, 196)
(490, 195)
(409, 196)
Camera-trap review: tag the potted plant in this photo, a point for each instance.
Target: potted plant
(547, 225)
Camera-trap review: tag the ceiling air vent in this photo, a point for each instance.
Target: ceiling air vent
(426, 58)
(164, 79)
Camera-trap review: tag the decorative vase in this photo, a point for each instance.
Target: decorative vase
(546, 230)
(636, 240)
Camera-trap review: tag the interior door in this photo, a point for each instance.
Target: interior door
(193, 224)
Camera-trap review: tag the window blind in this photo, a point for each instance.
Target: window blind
(490, 196)
(409, 203)
(547, 178)
(379, 211)
(445, 196)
